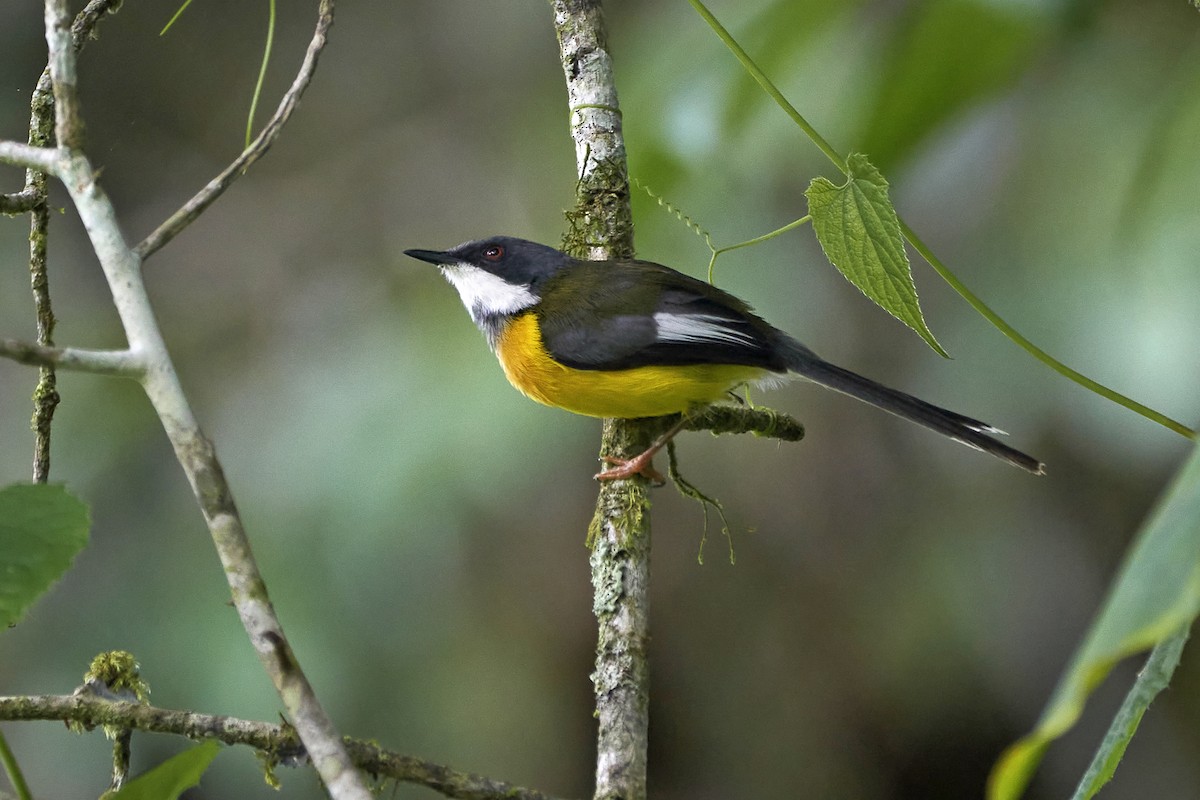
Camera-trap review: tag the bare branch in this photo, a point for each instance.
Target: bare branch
(279, 741)
(124, 363)
(84, 27)
(45, 395)
(193, 208)
(68, 124)
(43, 159)
(21, 202)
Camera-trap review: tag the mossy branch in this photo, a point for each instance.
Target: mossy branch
(733, 419)
(278, 742)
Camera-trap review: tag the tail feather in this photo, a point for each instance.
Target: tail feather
(966, 430)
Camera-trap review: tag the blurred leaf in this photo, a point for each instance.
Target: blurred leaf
(1155, 595)
(1151, 680)
(775, 35)
(1168, 138)
(42, 527)
(170, 778)
(945, 55)
(858, 230)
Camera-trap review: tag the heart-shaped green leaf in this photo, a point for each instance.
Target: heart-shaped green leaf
(857, 228)
(42, 528)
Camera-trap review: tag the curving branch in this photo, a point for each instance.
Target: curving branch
(193, 208)
(278, 742)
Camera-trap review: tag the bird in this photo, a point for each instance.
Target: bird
(625, 338)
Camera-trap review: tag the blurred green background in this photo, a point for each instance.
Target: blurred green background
(901, 607)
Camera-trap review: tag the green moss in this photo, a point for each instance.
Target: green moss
(118, 672)
(601, 214)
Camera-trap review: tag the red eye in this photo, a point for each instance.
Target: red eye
(493, 252)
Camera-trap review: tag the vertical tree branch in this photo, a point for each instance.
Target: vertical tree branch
(45, 395)
(41, 134)
(602, 227)
(68, 122)
(122, 753)
(42, 124)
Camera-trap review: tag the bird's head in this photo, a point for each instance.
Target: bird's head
(498, 276)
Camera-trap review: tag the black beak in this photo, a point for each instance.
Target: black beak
(432, 256)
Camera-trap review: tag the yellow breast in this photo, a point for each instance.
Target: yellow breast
(650, 391)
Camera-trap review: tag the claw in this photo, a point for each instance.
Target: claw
(642, 464)
(628, 467)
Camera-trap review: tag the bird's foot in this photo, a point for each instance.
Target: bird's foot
(628, 467)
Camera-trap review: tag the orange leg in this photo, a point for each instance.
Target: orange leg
(643, 463)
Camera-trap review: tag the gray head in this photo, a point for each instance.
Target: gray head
(498, 276)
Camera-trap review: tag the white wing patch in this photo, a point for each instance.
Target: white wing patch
(487, 295)
(698, 328)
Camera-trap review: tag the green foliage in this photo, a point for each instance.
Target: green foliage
(858, 230)
(1156, 594)
(1151, 680)
(908, 234)
(946, 55)
(776, 33)
(170, 778)
(952, 53)
(42, 528)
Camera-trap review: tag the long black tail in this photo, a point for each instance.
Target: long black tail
(970, 432)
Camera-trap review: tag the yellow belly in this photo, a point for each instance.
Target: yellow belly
(627, 393)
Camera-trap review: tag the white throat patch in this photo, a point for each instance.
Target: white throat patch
(486, 295)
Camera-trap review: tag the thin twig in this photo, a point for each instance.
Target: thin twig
(279, 742)
(44, 159)
(21, 202)
(42, 134)
(124, 363)
(193, 208)
(45, 394)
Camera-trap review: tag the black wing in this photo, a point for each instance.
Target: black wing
(619, 314)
